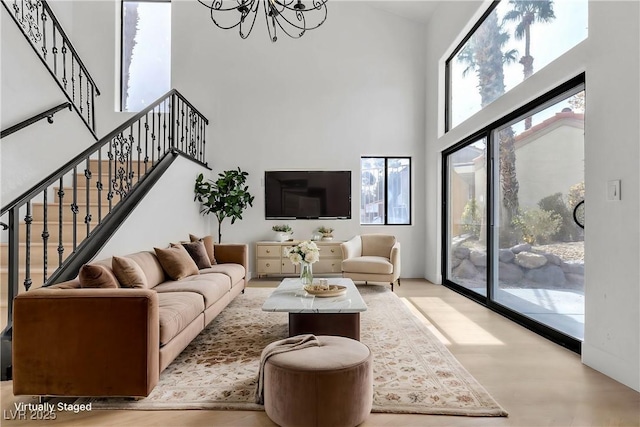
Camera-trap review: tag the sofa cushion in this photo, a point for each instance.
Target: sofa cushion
(236, 272)
(208, 244)
(149, 263)
(198, 253)
(176, 262)
(368, 264)
(176, 311)
(211, 288)
(129, 273)
(97, 276)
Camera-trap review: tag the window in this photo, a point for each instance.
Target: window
(385, 191)
(145, 53)
(514, 39)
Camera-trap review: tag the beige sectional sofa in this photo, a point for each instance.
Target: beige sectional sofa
(71, 340)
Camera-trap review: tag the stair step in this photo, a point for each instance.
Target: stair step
(37, 227)
(94, 195)
(37, 250)
(37, 211)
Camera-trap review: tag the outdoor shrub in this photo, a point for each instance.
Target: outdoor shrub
(537, 225)
(471, 218)
(555, 203)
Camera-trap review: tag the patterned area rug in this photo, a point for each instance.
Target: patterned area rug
(413, 371)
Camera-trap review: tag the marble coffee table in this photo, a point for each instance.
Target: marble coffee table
(309, 314)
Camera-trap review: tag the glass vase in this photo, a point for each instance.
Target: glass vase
(306, 273)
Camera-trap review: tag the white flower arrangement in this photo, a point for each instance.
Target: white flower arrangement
(306, 251)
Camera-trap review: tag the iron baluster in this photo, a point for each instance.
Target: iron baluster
(80, 89)
(73, 79)
(158, 134)
(89, 118)
(60, 219)
(99, 186)
(139, 150)
(64, 65)
(74, 208)
(14, 261)
(153, 138)
(146, 143)
(44, 36)
(54, 50)
(87, 176)
(28, 219)
(172, 115)
(110, 192)
(45, 236)
(182, 128)
(161, 135)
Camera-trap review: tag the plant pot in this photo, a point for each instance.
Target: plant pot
(282, 236)
(327, 238)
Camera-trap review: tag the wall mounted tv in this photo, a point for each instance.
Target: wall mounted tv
(307, 194)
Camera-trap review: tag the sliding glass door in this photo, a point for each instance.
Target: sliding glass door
(511, 191)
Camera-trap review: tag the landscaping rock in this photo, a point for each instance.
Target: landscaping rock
(530, 260)
(462, 253)
(455, 261)
(466, 270)
(478, 258)
(577, 279)
(553, 259)
(524, 247)
(508, 272)
(549, 275)
(573, 267)
(506, 255)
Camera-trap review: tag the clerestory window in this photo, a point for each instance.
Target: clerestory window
(512, 41)
(145, 52)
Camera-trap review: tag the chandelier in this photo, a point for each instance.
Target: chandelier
(293, 17)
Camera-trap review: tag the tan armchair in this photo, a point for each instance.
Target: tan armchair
(372, 258)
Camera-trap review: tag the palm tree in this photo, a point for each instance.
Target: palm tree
(483, 54)
(526, 13)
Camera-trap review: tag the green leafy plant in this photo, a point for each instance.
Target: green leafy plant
(537, 225)
(555, 203)
(471, 218)
(226, 197)
(284, 228)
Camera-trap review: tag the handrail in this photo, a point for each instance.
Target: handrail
(31, 120)
(52, 45)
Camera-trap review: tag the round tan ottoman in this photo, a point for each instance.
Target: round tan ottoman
(327, 385)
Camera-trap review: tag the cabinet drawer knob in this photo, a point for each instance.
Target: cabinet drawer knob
(268, 251)
(333, 250)
(268, 265)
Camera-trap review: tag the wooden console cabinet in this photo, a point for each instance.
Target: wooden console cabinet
(271, 259)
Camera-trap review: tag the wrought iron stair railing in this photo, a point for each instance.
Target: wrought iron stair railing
(64, 220)
(48, 39)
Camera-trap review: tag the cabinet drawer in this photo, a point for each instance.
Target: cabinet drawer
(330, 252)
(288, 267)
(328, 265)
(269, 266)
(268, 251)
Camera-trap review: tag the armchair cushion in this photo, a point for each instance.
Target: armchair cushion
(368, 264)
(377, 245)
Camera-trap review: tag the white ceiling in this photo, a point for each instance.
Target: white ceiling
(415, 10)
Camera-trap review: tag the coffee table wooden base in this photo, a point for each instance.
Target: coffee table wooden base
(338, 324)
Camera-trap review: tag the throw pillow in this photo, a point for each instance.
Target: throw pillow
(129, 273)
(208, 244)
(97, 276)
(198, 253)
(176, 262)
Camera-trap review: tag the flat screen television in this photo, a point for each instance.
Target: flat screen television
(307, 194)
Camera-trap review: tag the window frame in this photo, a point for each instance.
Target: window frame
(576, 83)
(386, 189)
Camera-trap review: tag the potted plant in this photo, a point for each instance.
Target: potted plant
(283, 232)
(304, 253)
(226, 197)
(326, 233)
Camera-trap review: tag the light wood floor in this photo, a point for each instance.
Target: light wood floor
(536, 381)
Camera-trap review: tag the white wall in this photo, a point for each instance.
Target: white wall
(353, 87)
(610, 59)
(30, 154)
(167, 214)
